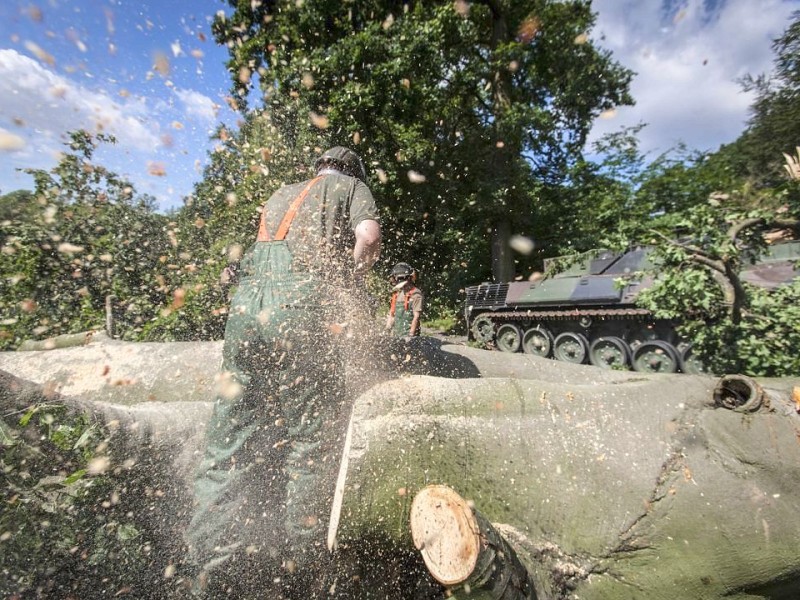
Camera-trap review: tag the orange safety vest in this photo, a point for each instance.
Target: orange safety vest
(405, 300)
(286, 222)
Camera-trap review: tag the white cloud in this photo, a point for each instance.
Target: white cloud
(198, 105)
(688, 57)
(39, 106)
(46, 105)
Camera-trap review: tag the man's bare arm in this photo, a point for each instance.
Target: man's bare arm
(414, 328)
(368, 246)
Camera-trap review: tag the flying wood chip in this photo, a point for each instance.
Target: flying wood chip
(416, 177)
(178, 298)
(10, 142)
(156, 169)
(67, 248)
(461, 7)
(39, 53)
(35, 13)
(528, 29)
(319, 121)
(161, 64)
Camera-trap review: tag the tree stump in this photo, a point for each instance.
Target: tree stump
(462, 550)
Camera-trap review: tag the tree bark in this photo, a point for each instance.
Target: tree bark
(604, 485)
(502, 259)
(617, 487)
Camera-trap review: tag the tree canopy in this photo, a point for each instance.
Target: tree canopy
(472, 118)
(463, 111)
(774, 125)
(81, 236)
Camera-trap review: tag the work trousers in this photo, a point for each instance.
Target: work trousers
(264, 489)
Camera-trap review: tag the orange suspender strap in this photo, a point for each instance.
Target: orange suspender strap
(283, 228)
(406, 300)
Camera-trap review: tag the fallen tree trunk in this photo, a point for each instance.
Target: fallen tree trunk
(641, 489)
(128, 373)
(606, 486)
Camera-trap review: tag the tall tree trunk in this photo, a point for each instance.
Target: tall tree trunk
(504, 154)
(502, 257)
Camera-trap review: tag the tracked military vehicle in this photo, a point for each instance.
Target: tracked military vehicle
(588, 313)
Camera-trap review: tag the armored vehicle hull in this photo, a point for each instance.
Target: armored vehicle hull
(588, 313)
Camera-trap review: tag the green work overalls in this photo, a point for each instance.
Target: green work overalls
(401, 326)
(264, 487)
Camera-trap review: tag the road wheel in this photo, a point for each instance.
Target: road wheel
(655, 357)
(538, 341)
(609, 353)
(483, 329)
(509, 337)
(689, 362)
(571, 347)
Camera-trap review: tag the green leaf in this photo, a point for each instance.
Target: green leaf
(23, 422)
(7, 437)
(127, 532)
(84, 439)
(76, 476)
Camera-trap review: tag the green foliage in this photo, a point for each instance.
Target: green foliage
(735, 327)
(421, 91)
(680, 180)
(55, 526)
(218, 223)
(578, 213)
(707, 219)
(770, 334)
(471, 117)
(447, 322)
(16, 205)
(200, 314)
(761, 344)
(774, 126)
(81, 236)
(480, 103)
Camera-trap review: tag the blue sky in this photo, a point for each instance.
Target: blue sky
(150, 73)
(147, 72)
(689, 56)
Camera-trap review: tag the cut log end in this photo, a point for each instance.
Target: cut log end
(446, 533)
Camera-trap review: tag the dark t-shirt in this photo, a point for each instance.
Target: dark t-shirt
(321, 237)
